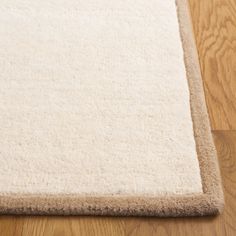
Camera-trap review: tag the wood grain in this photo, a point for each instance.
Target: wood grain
(214, 24)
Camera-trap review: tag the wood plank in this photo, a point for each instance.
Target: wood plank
(214, 25)
(61, 226)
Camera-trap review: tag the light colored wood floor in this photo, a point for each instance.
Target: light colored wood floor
(214, 24)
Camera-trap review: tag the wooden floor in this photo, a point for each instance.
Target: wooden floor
(214, 24)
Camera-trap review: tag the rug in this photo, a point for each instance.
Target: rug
(102, 110)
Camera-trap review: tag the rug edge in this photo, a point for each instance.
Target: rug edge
(207, 154)
(209, 203)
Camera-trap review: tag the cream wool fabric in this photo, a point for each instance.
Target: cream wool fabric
(94, 99)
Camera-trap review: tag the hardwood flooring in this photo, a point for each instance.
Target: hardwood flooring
(214, 23)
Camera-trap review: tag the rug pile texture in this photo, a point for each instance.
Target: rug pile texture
(102, 110)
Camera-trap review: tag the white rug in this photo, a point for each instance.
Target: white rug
(95, 110)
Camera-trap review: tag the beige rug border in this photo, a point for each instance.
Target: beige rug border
(209, 203)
